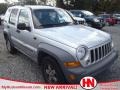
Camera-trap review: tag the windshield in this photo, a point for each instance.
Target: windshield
(76, 13)
(87, 13)
(50, 18)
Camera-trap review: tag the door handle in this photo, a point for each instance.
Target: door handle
(34, 38)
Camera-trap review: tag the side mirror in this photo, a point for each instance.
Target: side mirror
(22, 26)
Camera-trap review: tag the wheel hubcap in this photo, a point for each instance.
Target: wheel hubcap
(51, 73)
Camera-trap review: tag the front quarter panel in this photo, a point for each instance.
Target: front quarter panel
(59, 54)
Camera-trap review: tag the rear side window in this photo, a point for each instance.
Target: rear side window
(13, 15)
(7, 14)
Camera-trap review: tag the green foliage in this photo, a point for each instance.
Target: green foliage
(93, 5)
(60, 3)
(28, 2)
(3, 8)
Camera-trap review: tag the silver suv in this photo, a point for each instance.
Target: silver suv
(49, 36)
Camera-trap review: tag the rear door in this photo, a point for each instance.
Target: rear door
(12, 26)
(6, 20)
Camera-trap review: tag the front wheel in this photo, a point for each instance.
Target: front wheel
(51, 71)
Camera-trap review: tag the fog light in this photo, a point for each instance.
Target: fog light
(72, 64)
(71, 77)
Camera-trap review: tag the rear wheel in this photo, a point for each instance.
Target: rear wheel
(51, 71)
(10, 47)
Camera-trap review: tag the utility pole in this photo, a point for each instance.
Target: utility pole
(37, 2)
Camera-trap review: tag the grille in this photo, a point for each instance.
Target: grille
(100, 52)
(81, 22)
(101, 20)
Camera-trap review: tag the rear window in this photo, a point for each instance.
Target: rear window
(13, 15)
(76, 13)
(106, 16)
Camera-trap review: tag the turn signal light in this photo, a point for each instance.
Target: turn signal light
(72, 64)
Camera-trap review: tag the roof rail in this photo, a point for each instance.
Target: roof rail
(44, 5)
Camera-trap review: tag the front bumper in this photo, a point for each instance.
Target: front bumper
(98, 25)
(92, 70)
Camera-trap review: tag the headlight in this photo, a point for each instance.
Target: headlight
(96, 20)
(81, 52)
(112, 44)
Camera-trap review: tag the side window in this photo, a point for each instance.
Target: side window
(12, 19)
(23, 17)
(7, 15)
(82, 15)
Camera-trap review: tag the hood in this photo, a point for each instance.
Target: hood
(76, 35)
(92, 18)
(78, 19)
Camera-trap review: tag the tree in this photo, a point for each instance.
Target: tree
(3, 8)
(107, 6)
(28, 2)
(60, 3)
(92, 5)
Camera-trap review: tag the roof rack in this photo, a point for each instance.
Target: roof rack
(37, 5)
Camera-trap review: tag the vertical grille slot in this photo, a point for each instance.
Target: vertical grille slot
(92, 56)
(105, 49)
(103, 53)
(109, 47)
(100, 52)
(96, 53)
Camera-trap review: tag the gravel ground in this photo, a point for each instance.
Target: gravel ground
(20, 67)
(113, 73)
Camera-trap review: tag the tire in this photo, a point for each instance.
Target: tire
(10, 47)
(51, 71)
